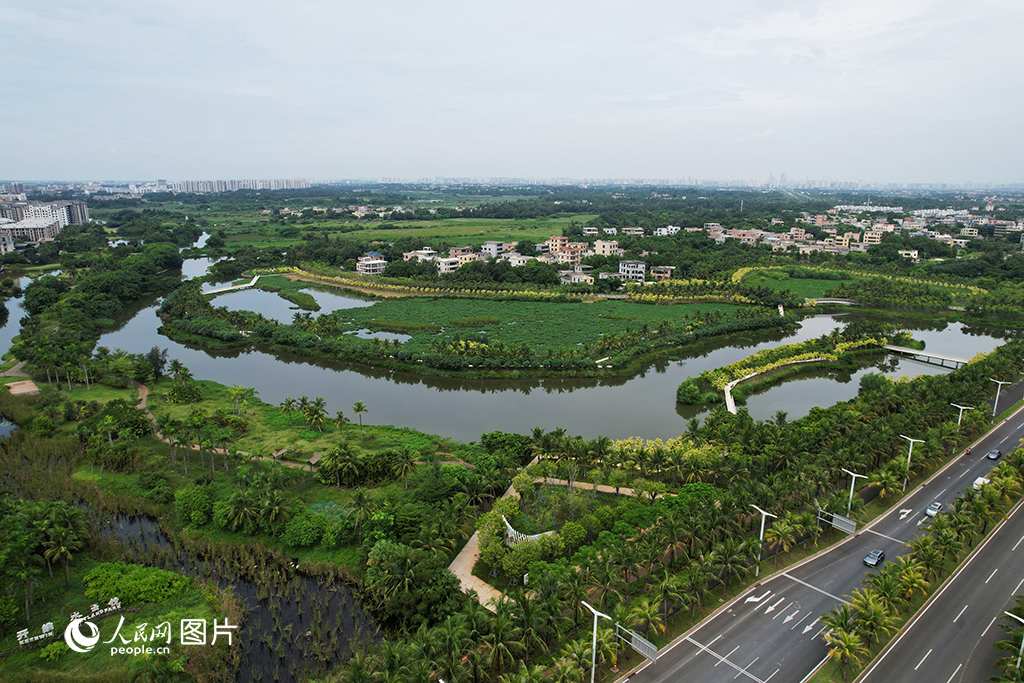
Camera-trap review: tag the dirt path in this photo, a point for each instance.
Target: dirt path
(143, 405)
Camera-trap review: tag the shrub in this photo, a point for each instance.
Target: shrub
(193, 505)
(132, 583)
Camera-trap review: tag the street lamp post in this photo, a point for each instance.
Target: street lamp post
(909, 453)
(593, 644)
(961, 417)
(1021, 650)
(998, 389)
(853, 479)
(760, 547)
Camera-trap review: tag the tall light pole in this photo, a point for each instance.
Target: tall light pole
(593, 644)
(961, 417)
(760, 547)
(1021, 650)
(909, 453)
(998, 389)
(853, 479)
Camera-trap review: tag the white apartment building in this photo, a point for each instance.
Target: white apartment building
(492, 249)
(633, 270)
(666, 231)
(447, 265)
(370, 265)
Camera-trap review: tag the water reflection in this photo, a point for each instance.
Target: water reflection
(464, 408)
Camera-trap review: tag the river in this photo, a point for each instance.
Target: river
(463, 409)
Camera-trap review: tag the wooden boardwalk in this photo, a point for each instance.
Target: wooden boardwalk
(926, 356)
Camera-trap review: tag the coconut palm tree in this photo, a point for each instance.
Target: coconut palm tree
(845, 648)
(359, 408)
(288, 405)
(404, 464)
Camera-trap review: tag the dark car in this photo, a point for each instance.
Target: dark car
(875, 558)
(994, 454)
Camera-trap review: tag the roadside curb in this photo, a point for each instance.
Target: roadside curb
(750, 589)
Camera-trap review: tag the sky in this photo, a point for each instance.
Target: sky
(900, 91)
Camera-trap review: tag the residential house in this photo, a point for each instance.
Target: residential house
(633, 270)
(662, 272)
(370, 265)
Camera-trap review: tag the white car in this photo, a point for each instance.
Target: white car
(934, 509)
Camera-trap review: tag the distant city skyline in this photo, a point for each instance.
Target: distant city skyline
(852, 91)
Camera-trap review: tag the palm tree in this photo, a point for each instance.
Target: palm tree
(644, 615)
(315, 412)
(846, 648)
(341, 421)
(359, 408)
(781, 535)
(404, 464)
(60, 547)
(288, 405)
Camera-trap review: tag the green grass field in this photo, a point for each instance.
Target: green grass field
(541, 325)
(804, 287)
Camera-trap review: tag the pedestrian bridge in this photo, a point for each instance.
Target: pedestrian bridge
(840, 302)
(926, 356)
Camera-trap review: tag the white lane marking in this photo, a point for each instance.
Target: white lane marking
(791, 617)
(753, 599)
(1015, 590)
(772, 676)
(714, 639)
(771, 608)
(941, 492)
(720, 658)
(744, 669)
(725, 659)
(810, 625)
(784, 611)
(989, 626)
(922, 660)
(954, 673)
(904, 513)
(819, 632)
(804, 583)
(895, 540)
(961, 613)
(992, 574)
(1019, 542)
(815, 669)
(965, 472)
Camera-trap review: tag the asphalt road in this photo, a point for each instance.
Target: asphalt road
(953, 638)
(772, 632)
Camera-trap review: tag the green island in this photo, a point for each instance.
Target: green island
(349, 551)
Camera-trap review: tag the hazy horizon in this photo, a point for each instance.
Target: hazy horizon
(923, 91)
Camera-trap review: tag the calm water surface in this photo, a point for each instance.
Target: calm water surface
(463, 409)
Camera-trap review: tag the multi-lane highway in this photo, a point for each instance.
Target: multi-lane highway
(772, 632)
(952, 639)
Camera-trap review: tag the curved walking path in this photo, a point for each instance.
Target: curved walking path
(462, 565)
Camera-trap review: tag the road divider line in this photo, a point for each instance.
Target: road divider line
(744, 670)
(950, 679)
(721, 659)
(992, 574)
(804, 583)
(726, 658)
(784, 610)
(938, 594)
(989, 626)
(879, 533)
(800, 622)
(1018, 586)
(961, 613)
(1018, 542)
(922, 660)
(772, 676)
